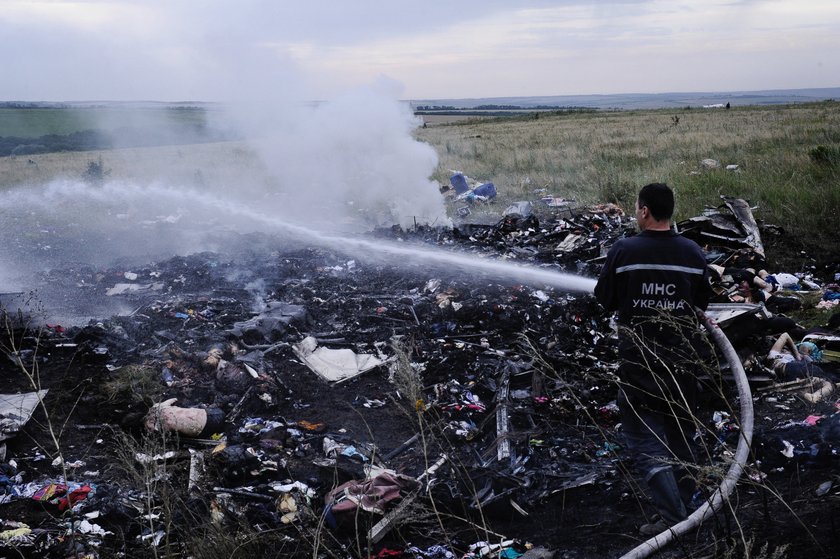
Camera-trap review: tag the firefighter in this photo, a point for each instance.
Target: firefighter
(654, 281)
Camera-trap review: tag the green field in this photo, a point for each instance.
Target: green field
(33, 123)
(37, 122)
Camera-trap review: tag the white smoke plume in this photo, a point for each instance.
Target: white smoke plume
(346, 162)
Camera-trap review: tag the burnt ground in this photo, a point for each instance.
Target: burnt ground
(459, 342)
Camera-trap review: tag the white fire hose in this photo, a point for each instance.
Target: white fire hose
(722, 493)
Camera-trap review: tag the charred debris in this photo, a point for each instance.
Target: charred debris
(305, 402)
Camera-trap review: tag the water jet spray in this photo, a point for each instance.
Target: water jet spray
(428, 255)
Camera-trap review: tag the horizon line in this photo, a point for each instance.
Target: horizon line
(410, 99)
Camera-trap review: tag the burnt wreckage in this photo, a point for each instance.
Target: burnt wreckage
(312, 403)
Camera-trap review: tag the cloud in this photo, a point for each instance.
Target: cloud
(84, 16)
(591, 48)
(191, 49)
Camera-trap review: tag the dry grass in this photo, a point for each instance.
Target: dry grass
(607, 156)
(223, 164)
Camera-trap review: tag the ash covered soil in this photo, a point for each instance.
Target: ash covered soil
(463, 354)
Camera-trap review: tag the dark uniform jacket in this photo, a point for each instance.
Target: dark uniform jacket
(655, 280)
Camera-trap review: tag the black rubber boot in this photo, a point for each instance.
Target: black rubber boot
(665, 494)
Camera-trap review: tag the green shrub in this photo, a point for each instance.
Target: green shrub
(133, 384)
(826, 155)
(95, 173)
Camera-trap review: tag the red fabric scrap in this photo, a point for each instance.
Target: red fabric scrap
(74, 497)
(387, 554)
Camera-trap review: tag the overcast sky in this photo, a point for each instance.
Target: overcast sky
(214, 50)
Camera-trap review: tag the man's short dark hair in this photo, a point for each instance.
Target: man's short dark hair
(659, 199)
